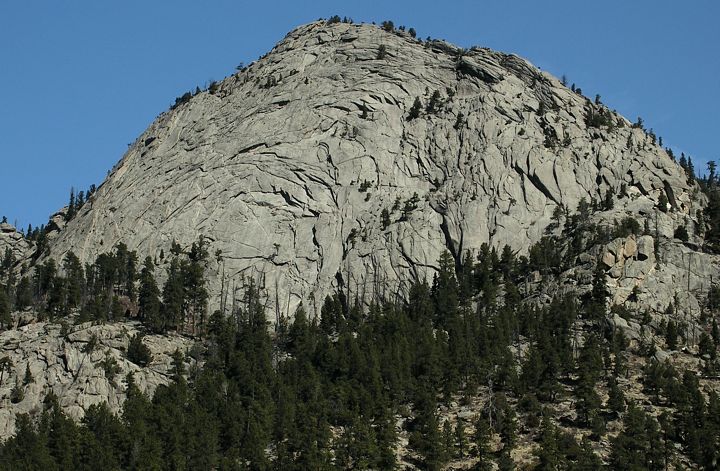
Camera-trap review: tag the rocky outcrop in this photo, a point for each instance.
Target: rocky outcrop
(307, 173)
(19, 247)
(60, 361)
(654, 278)
(628, 262)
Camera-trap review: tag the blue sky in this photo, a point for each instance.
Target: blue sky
(80, 80)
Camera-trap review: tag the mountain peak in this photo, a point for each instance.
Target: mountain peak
(353, 148)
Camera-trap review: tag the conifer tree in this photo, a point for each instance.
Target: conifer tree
(671, 335)
(193, 274)
(426, 438)
(460, 440)
(71, 206)
(5, 319)
(172, 314)
(75, 276)
(616, 400)
(150, 307)
(138, 352)
(482, 444)
(589, 370)
(549, 453)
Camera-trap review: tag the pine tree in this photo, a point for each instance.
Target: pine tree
(616, 400)
(150, 307)
(671, 335)
(549, 451)
(138, 352)
(415, 109)
(597, 309)
(587, 459)
(385, 219)
(5, 307)
(27, 449)
(75, 276)
(590, 366)
(636, 447)
(505, 461)
(426, 438)
(28, 378)
(460, 440)
(445, 291)
(193, 274)
(172, 313)
(71, 206)
(482, 444)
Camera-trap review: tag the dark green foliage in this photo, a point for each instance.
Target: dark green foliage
(415, 109)
(482, 444)
(364, 186)
(110, 367)
(149, 303)
(184, 296)
(545, 256)
(671, 335)
(616, 400)
(608, 202)
(173, 296)
(590, 365)
(597, 302)
(505, 461)
(382, 52)
(388, 26)
(706, 346)
(627, 226)
(385, 219)
(681, 233)
(75, 276)
(549, 453)
(433, 105)
(184, 98)
(91, 345)
(138, 352)
(17, 394)
(426, 438)
(5, 308)
(409, 207)
(28, 378)
(599, 117)
(639, 445)
(23, 294)
(324, 392)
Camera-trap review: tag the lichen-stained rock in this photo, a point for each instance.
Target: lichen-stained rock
(61, 362)
(288, 165)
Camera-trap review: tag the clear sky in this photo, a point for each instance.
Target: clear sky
(80, 80)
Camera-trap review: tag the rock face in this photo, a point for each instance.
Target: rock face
(302, 168)
(13, 240)
(60, 362)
